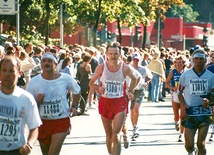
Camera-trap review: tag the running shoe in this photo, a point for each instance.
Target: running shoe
(135, 130)
(180, 138)
(177, 126)
(195, 152)
(135, 134)
(211, 137)
(126, 141)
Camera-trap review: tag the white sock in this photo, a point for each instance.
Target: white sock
(212, 126)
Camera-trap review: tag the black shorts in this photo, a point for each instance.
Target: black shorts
(12, 152)
(195, 122)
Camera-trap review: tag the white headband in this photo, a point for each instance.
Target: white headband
(199, 55)
(49, 55)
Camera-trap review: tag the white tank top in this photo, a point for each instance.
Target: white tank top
(113, 82)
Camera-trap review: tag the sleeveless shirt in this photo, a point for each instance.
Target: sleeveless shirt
(175, 78)
(113, 82)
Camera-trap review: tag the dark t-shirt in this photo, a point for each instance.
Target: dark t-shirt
(168, 63)
(94, 64)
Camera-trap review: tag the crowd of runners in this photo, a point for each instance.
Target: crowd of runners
(43, 86)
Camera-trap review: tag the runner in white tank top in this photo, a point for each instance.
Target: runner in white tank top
(113, 103)
(113, 82)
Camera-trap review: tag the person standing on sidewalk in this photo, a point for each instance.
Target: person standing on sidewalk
(196, 94)
(50, 91)
(19, 113)
(172, 83)
(113, 103)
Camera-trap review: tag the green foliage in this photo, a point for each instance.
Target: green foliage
(86, 13)
(186, 12)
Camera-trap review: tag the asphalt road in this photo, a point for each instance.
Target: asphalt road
(156, 129)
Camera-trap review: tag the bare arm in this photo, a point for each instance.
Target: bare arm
(168, 82)
(183, 105)
(26, 148)
(97, 74)
(133, 83)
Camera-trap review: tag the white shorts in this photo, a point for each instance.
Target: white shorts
(175, 97)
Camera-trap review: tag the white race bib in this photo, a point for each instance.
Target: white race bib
(51, 109)
(10, 129)
(113, 88)
(198, 86)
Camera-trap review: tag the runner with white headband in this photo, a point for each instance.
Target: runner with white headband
(196, 88)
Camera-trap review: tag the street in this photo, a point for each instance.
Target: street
(156, 129)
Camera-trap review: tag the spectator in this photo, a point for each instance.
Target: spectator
(84, 73)
(28, 64)
(157, 69)
(66, 66)
(37, 59)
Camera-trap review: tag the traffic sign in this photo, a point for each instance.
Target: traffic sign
(7, 7)
(177, 37)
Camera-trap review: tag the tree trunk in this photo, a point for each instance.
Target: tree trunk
(144, 36)
(47, 7)
(96, 24)
(119, 31)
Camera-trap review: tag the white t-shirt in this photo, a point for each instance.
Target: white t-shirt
(145, 72)
(55, 104)
(196, 87)
(18, 114)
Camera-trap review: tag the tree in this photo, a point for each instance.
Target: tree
(185, 11)
(154, 10)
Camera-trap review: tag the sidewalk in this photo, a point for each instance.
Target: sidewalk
(156, 129)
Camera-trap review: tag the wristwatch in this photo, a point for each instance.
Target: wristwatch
(75, 107)
(130, 91)
(30, 146)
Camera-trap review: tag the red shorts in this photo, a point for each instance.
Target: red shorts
(51, 127)
(108, 108)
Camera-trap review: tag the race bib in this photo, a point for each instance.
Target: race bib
(198, 111)
(176, 84)
(10, 129)
(51, 109)
(198, 86)
(113, 88)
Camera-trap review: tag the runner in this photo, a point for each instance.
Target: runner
(113, 103)
(196, 87)
(19, 113)
(50, 91)
(172, 83)
(139, 92)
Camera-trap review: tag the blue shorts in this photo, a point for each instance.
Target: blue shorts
(138, 97)
(195, 122)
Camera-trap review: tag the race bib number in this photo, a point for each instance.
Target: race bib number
(10, 129)
(113, 88)
(198, 111)
(51, 109)
(198, 86)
